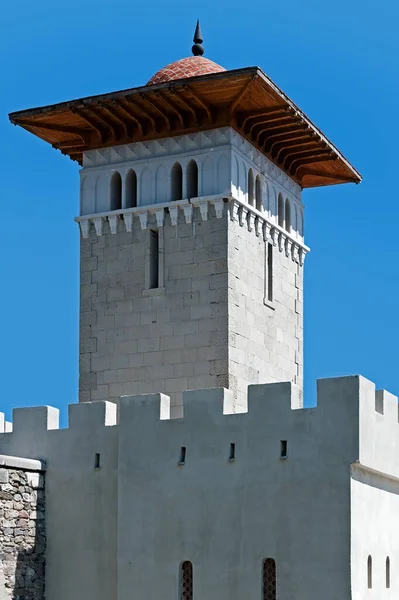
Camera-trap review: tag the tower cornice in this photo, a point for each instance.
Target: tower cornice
(245, 99)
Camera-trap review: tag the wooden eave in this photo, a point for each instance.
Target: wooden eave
(245, 99)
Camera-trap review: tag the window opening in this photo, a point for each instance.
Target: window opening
(269, 272)
(186, 580)
(258, 193)
(131, 189)
(369, 572)
(280, 210)
(232, 454)
(154, 259)
(250, 187)
(388, 572)
(116, 191)
(97, 461)
(182, 457)
(283, 449)
(192, 179)
(288, 215)
(176, 182)
(269, 579)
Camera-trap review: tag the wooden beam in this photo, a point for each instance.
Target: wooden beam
(128, 112)
(106, 122)
(295, 151)
(82, 133)
(129, 99)
(271, 132)
(90, 121)
(201, 102)
(161, 112)
(185, 104)
(316, 157)
(264, 121)
(286, 120)
(303, 172)
(69, 145)
(244, 117)
(111, 110)
(241, 94)
(281, 134)
(172, 107)
(286, 141)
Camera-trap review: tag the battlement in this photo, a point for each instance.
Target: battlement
(285, 470)
(350, 413)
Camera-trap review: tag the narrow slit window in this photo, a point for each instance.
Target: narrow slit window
(369, 572)
(97, 461)
(283, 449)
(269, 272)
(182, 456)
(269, 579)
(388, 572)
(154, 259)
(232, 454)
(186, 580)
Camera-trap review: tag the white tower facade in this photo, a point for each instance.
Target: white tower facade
(192, 257)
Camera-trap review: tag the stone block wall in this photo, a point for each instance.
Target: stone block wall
(22, 533)
(135, 340)
(266, 333)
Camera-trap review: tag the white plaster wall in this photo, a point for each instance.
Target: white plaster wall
(374, 532)
(81, 502)
(223, 157)
(379, 428)
(125, 528)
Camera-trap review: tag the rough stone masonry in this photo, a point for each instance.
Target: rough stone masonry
(22, 534)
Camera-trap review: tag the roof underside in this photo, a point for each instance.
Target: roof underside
(244, 99)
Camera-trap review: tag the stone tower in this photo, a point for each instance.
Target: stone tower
(192, 238)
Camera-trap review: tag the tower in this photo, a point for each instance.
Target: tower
(192, 236)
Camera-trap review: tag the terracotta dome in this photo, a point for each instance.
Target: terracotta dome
(193, 66)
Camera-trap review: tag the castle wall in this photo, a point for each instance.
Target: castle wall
(375, 496)
(81, 500)
(22, 529)
(118, 497)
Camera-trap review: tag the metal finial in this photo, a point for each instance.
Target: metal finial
(198, 48)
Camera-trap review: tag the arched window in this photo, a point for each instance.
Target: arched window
(288, 215)
(388, 572)
(258, 192)
(269, 579)
(369, 572)
(251, 194)
(176, 182)
(192, 179)
(280, 210)
(186, 581)
(131, 189)
(116, 191)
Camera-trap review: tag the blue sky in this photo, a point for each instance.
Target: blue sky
(338, 61)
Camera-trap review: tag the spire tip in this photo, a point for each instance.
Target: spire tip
(198, 49)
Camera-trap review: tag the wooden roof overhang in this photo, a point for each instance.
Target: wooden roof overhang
(245, 99)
